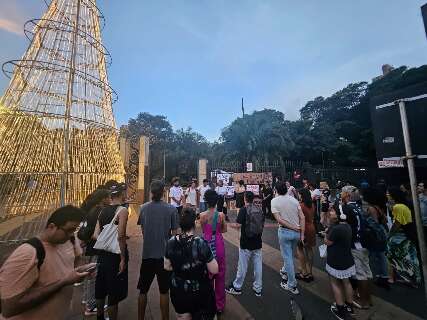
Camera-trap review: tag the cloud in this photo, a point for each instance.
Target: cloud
(11, 26)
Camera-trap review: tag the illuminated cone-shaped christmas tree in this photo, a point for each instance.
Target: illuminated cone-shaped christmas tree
(58, 139)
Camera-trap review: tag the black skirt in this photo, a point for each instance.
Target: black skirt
(200, 304)
(109, 283)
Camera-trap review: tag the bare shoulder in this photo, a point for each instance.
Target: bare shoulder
(203, 217)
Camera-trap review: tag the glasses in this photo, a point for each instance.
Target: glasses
(68, 232)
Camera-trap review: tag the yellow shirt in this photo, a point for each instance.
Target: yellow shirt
(402, 214)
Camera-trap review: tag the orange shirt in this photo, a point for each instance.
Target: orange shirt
(20, 272)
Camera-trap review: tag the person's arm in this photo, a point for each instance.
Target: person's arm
(36, 296)
(167, 265)
(97, 231)
(123, 220)
(239, 220)
(213, 267)
(301, 222)
(223, 223)
(285, 223)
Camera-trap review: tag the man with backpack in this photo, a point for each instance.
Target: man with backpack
(36, 280)
(350, 198)
(251, 222)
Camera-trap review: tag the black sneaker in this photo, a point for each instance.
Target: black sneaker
(257, 293)
(232, 290)
(349, 308)
(339, 314)
(284, 275)
(285, 286)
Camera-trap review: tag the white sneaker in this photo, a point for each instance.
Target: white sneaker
(283, 275)
(285, 286)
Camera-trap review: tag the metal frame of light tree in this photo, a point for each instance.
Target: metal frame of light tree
(58, 138)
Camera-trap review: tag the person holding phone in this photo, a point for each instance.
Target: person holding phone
(36, 280)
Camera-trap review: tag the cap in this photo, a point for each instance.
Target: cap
(116, 188)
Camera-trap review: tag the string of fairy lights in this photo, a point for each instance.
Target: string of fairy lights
(37, 119)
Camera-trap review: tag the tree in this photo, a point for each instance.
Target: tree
(260, 136)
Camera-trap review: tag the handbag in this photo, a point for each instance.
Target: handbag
(323, 250)
(108, 238)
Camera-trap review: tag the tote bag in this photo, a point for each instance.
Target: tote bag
(108, 238)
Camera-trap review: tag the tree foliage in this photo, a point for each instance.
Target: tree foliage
(333, 130)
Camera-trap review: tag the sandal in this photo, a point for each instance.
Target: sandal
(302, 277)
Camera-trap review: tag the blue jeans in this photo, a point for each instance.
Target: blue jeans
(202, 207)
(288, 240)
(244, 259)
(378, 262)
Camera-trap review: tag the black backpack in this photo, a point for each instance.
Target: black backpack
(254, 221)
(40, 253)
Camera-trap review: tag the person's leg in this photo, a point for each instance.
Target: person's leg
(363, 287)
(113, 311)
(348, 291)
(242, 268)
(100, 308)
(101, 289)
(257, 258)
(374, 263)
(337, 290)
(264, 208)
(90, 288)
(220, 286)
(383, 265)
(301, 265)
(142, 305)
(339, 309)
(146, 277)
(289, 244)
(164, 306)
(309, 254)
(280, 235)
(163, 278)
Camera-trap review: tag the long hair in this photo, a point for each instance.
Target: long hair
(306, 197)
(94, 199)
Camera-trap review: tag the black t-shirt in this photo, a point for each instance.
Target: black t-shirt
(267, 192)
(253, 243)
(339, 253)
(189, 257)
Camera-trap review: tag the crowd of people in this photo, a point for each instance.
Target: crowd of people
(368, 233)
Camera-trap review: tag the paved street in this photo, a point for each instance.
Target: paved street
(399, 303)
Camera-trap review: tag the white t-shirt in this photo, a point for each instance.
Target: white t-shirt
(222, 191)
(288, 208)
(191, 196)
(202, 189)
(177, 193)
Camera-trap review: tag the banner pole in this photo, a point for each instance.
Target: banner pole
(413, 181)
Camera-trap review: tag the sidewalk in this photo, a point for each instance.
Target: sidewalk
(314, 299)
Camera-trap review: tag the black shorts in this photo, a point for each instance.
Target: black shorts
(108, 282)
(202, 301)
(149, 269)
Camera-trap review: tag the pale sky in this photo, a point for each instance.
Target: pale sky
(193, 60)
